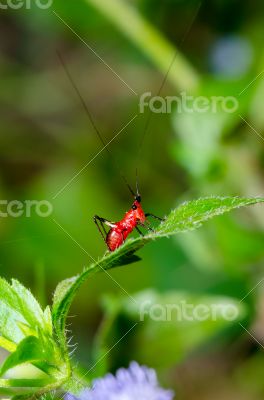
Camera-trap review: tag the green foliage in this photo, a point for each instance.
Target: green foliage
(44, 142)
(154, 45)
(186, 217)
(166, 323)
(192, 214)
(35, 336)
(27, 333)
(31, 350)
(18, 305)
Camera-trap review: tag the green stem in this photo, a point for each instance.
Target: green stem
(147, 38)
(43, 385)
(25, 383)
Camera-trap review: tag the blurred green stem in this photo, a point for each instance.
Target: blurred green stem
(26, 383)
(146, 37)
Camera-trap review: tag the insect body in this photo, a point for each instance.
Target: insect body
(119, 231)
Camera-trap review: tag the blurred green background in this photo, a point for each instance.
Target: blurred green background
(46, 139)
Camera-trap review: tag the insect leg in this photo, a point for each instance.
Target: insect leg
(139, 231)
(101, 227)
(154, 216)
(104, 221)
(146, 227)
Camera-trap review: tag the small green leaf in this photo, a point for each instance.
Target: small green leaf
(26, 329)
(190, 215)
(48, 320)
(20, 313)
(9, 313)
(7, 345)
(186, 217)
(28, 350)
(28, 305)
(9, 319)
(27, 333)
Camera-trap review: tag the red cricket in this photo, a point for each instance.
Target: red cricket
(120, 230)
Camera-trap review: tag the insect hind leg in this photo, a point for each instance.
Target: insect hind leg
(146, 226)
(100, 223)
(139, 231)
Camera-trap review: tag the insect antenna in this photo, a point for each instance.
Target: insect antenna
(137, 187)
(91, 119)
(163, 82)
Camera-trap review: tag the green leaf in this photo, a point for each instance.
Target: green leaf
(192, 214)
(20, 313)
(9, 314)
(48, 320)
(27, 333)
(9, 319)
(28, 350)
(26, 329)
(28, 306)
(7, 345)
(186, 217)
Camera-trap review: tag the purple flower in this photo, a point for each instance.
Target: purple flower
(134, 383)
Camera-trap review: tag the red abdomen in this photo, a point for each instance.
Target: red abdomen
(114, 239)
